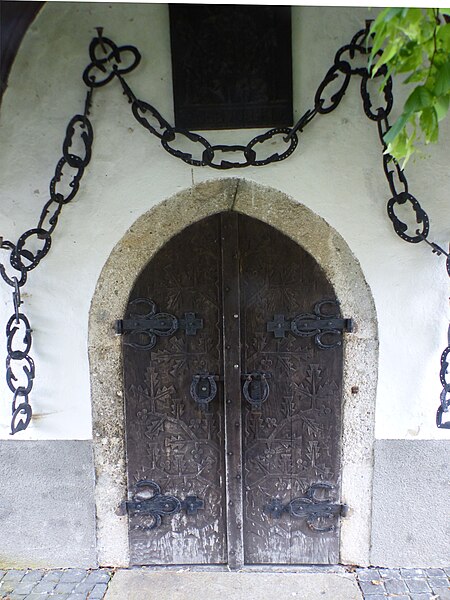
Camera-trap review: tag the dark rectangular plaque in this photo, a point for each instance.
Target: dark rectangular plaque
(232, 66)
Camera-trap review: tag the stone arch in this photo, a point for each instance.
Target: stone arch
(141, 242)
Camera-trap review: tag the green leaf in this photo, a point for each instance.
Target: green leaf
(442, 85)
(388, 14)
(441, 105)
(418, 75)
(389, 52)
(396, 128)
(429, 124)
(443, 36)
(416, 45)
(412, 61)
(419, 99)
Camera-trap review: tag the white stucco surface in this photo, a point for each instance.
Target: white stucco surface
(336, 172)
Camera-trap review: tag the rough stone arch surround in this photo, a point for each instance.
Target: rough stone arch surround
(140, 243)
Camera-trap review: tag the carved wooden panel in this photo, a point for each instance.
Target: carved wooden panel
(169, 439)
(292, 442)
(236, 274)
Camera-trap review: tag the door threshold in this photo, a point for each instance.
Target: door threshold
(245, 568)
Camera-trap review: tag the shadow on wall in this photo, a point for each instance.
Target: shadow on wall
(15, 18)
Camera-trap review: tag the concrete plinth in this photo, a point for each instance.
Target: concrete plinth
(169, 585)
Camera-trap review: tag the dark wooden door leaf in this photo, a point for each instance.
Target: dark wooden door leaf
(239, 423)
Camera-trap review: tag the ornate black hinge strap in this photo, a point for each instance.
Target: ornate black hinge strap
(150, 503)
(320, 514)
(145, 328)
(324, 325)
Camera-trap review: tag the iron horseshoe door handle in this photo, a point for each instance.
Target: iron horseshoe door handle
(256, 388)
(203, 389)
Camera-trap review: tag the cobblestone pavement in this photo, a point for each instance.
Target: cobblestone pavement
(404, 584)
(81, 584)
(67, 584)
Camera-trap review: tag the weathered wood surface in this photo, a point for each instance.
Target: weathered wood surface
(169, 439)
(236, 273)
(293, 441)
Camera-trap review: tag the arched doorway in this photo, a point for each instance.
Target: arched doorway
(233, 390)
(360, 350)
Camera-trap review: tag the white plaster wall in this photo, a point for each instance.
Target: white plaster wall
(336, 172)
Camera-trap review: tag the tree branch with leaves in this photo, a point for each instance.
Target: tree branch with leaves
(414, 43)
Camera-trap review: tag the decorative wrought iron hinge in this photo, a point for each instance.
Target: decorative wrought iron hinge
(320, 514)
(318, 324)
(146, 327)
(148, 501)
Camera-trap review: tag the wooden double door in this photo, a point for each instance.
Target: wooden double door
(233, 401)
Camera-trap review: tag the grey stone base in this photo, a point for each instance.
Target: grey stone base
(411, 504)
(47, 510)
(140, 584)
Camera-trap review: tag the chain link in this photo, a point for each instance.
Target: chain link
(445, 394)
(109, 62)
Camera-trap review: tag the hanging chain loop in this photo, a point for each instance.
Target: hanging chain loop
(24, 257)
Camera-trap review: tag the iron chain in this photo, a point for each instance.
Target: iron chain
(20, 368)
(397, 179)
(108, 62)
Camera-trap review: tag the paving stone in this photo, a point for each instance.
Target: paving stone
(83, 587)
(52, 576)
(14, 596)
(438, 582)
(418, 585)
(443, 593)
(435, 573)
(24, 588)
(102, 575)
(397, 597)
(33, 576)
(44, 587)
(6, 587)
(98, 576)
(98, 592)
(73, 575)
(76, 596)
(367, 574)
(412, 573)
(64, 588)
(370, 588)
(395, 586)
(423, 597)
(2, 573)
(390, 573)
(14, 575)
(377, 597)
